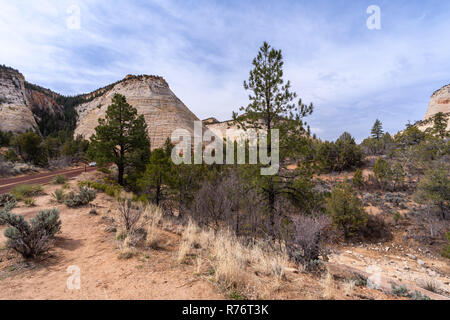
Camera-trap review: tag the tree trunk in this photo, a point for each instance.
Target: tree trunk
(121, 172)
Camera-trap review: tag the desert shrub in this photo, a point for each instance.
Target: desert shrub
(111, 189)
(375, 229)
(129, 215)
(30, 202)
(402, 291)
(59, 179)
(229, 202)
(340, 155)
(26, 191)
(346, 210)
(31, 239)
(83, 197)
(6, 198)
(29, 146)
(304, 246)
(47, 220)
(446, 249)
(383, 172)
(358, 179)
(11, 155)
(8, 206)
(58, 195)
(104, 170)
(434, 189)
(411, 136)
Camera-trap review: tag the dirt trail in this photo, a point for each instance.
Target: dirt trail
(84, 243)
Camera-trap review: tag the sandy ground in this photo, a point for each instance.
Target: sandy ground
(84, 243)
(155, 274)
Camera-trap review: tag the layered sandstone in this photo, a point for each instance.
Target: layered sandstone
(15, 113)
(22, 104)
(151, 96)
(440, 102)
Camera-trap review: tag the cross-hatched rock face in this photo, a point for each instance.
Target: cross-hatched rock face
(152, 97)
(15, 115)
(440, 102)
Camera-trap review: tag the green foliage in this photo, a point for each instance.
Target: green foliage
(398, 175)
(29, 146)
(358, 179)
(273, 106)
(446, 249)
(47, 220)
(383, 172)
(30, 202)
(32, 239)
(158, 173)
(59, 179)
(83, 197)
(6, 198)
(377, 130)
(346, 210)
(111, 189)
(11, 155)
(440, 121)
(75, 148)
(26, 191)
(396, 216)
(58, 195)
(380, 146)
(410, 136)
(402, 291)
(121, 138)
(340, 155)
(434, 189)
(5, 138)
(104, 170)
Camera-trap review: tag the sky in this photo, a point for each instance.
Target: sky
(204, 49)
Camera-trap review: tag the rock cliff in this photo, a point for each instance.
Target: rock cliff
(440, 102)
(151, 96)
(24, 106)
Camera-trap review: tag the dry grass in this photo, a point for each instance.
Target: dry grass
(430, 284)
(349, 287)
(329, 286)
(126, 249)
(190, 239)
(235, 267)
(153, 216)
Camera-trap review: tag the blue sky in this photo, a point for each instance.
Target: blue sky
(204, 50)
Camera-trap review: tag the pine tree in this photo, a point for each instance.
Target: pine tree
(158, 174)
(121, 138)
(377, 130)
(440, 124)
(346, 210)
(273, 106)
(434, 189)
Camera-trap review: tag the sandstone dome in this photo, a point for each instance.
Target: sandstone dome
(440, 102)
(151, 96)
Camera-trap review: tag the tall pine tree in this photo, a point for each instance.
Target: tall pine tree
(377, 130)
(273, 106)
(121, 138)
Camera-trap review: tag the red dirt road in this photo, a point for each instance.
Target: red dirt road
(6, 184)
